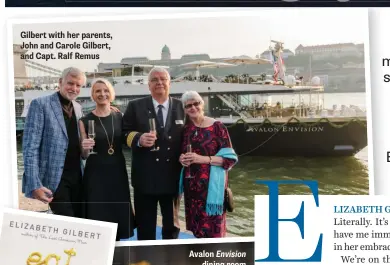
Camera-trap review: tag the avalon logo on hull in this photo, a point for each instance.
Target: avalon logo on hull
(286, 129)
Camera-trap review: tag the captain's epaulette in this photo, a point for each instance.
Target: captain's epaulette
(130, 138)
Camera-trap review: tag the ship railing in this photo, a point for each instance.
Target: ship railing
(345, 111)
(236, 105)
(240, 103)
(297, 111)
(234, 98)
(225, 99)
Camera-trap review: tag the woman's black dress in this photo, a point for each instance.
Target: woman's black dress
(105, 180)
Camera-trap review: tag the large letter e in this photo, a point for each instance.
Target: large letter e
(273, 187)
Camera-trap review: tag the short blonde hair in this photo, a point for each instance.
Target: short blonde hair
(191, 95)
(108, 85)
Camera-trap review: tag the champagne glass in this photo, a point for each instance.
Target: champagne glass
(91, 133)
(189, 150)
(152, 127)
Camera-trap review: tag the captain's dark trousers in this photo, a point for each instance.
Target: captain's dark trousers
(146, 216)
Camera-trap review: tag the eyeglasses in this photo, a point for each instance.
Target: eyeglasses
(195, 104)
(155, 80)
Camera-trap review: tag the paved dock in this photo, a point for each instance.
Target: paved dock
(38, 206)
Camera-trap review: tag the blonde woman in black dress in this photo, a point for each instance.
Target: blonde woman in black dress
(105, 180)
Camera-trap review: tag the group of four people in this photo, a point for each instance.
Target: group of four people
(80, 171)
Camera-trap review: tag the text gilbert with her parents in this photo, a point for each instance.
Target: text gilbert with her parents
(74, 161)
(90, 41)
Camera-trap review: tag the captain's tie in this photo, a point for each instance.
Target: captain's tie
(160, 118)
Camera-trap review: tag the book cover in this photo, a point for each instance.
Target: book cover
(36, 238)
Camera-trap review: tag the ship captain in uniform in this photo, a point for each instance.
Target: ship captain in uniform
(155, 168)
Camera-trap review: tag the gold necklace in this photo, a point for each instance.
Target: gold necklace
(110, 145)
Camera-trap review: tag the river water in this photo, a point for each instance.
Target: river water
(335, 176)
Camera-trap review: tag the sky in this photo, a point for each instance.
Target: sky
(225, 36)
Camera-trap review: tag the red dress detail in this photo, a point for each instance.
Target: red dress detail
(206, 142)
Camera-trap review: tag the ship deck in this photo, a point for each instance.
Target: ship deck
(177, 89)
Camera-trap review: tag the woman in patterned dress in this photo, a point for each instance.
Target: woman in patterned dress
(204, 175)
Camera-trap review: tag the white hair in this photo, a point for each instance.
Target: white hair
(75, 72)
(191, 95)
(158, 70)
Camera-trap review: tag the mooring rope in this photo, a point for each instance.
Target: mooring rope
(260, 145)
